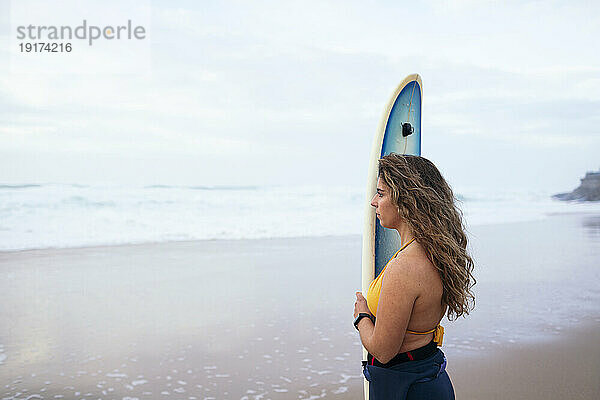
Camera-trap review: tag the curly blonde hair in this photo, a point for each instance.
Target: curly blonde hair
(426, 202)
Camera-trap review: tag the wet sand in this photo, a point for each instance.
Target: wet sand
(271, 319)
(566, 367)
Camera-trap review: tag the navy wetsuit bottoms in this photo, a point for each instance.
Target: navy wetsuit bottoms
(425, 379)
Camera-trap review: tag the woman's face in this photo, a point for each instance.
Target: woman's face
(385, 209)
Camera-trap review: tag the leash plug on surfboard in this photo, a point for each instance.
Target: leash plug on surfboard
(407, 129)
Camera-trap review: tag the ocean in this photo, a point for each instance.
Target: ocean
(56, 215)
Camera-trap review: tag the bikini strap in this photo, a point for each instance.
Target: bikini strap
(405, 246)
(394, 256)
(438, 334)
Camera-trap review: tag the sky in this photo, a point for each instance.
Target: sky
(269, 93)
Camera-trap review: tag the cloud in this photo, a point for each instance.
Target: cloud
(310, 80)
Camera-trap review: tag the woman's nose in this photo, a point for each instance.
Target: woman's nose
(373, 202)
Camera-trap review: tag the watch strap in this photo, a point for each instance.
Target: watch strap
(361, 316)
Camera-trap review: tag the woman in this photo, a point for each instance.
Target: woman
(429, 277)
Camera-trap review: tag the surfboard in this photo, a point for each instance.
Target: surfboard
(399, 131)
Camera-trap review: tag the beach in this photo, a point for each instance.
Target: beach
(272, 318)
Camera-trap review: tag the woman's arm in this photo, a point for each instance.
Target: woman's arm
(399, 290)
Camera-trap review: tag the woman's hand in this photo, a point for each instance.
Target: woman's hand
(360, 306)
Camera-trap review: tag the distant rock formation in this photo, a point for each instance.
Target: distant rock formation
(588, 190)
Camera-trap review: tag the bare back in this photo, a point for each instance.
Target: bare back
(427, 309)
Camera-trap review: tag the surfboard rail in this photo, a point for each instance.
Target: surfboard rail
(370, 220)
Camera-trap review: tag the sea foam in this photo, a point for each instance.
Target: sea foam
(36, 216)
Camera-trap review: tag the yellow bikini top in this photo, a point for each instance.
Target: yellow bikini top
(373, 301)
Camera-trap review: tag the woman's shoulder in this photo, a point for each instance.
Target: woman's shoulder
(413, 263)
(414, 275)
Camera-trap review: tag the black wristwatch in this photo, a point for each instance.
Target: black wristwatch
(361, 316)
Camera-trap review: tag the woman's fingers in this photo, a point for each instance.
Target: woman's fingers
(360, 297)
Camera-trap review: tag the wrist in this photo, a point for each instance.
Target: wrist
(364, 322)
(363, 316)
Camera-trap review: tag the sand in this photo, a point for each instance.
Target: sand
(567, 367)
(272, 318)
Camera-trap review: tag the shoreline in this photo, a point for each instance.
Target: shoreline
(548, 215)
(178, 242)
